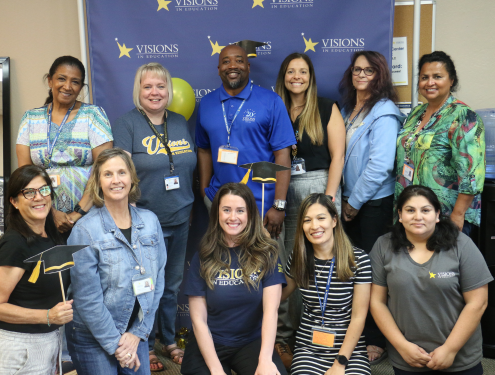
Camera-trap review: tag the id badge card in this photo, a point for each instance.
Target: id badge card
(172, 182)
(323, 336)
(408, 172)
(142, 285)
(298, 166)
(55, 180)
(228, 154)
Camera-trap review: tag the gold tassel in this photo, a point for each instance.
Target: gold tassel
(36, 272)
(246, 177)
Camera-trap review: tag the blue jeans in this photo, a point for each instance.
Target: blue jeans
(176, 243)
(89, 358)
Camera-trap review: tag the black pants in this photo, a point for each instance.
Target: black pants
(243, 360)
(476, 370)
(372, 221)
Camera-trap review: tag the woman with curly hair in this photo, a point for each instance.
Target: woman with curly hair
(234, 288)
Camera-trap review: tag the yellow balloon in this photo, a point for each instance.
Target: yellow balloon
(184, 99)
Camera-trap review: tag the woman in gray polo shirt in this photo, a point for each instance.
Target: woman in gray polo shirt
(429, 290)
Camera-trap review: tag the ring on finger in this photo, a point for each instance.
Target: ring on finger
(129, 355)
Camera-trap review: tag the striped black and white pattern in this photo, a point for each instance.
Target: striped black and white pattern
(311, 359)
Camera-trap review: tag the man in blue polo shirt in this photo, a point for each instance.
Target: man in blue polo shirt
(242, 123)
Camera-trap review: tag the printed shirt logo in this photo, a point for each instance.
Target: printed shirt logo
(196, 5)
(249, 115)
(233, 277)
(280, 268)
(155, 147)
(163, 4)
(309, 44)
(284, 4)
(442, 275)
(432, 275)
(215, 48)
(124, 51)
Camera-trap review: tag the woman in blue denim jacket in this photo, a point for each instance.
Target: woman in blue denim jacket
(372, 122)
(119, 278)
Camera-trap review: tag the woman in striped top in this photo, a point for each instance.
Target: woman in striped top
(329, 340)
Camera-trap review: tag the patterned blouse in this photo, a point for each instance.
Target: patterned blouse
(72, 158)
(448, 155)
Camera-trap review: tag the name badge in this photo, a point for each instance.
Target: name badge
(55, 180)
(143, 286)
(323, 337)
(228, 155)
(408, 172)
(298, 166)
(172, 182)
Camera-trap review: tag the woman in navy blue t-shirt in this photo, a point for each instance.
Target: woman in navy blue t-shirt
(234, 287)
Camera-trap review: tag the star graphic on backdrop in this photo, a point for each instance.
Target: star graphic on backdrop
(123, 49)
(163, 4)
(215, 47)
(432, 275)
(309, 44)
(258, 3)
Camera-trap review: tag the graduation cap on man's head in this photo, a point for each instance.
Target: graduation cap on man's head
(263, 171)
(56, 259)
(250, 46)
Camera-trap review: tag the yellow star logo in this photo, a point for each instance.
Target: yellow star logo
(215, 47)
(309, 44)
(123, 49)
(163, 4)
(258, 3)
(432, 275)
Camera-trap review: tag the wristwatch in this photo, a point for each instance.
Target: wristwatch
(279, 205)
(342, 359)
(79, 210)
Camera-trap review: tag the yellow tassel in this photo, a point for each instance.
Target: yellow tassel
(36, 273)
(246, 177)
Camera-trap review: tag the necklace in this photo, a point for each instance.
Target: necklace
(322, 267)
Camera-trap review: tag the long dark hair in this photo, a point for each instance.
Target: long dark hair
(446, 232)
(19, 180)
(60, 61)
(257, 252)
(303, 264)
(381, 87)
(446, 60)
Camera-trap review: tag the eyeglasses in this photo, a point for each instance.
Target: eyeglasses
(30, 194)
(368, 71)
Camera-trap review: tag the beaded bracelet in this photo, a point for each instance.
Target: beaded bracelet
(47, 317)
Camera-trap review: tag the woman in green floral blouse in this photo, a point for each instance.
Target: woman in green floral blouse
(442, 144)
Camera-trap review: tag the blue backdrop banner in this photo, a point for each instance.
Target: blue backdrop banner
(186, 37)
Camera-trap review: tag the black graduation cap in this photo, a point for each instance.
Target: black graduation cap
(250, 46)
(263, 171)
(56, 259)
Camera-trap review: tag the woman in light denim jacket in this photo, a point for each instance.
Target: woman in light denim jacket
(118, 280)
(372, 122)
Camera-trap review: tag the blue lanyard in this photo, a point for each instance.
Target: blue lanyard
(324, 305)
(57, 134)
(350, 123)
(225, 117)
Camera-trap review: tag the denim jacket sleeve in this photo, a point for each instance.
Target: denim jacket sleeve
(88, 294)
(159, 287)
(381, 161)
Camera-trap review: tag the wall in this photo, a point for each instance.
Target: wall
(465, 30)
(33, 33)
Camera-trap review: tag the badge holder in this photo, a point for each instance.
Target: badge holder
(55, 180)
(228, 154)
(298, 166)
(172, 182)
(408, 172)
(323, 336)
(142, 284)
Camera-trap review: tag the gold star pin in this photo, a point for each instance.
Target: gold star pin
(309, 44)
(258, 3)
(123, 49)
(215, 47)
(432, 275)
(163, 4)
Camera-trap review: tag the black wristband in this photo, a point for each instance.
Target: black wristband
(79, 210)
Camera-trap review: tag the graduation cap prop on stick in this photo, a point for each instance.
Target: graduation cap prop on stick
(250, 46)
(56, 259)
(263, 172)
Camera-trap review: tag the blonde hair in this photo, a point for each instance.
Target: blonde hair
(155, 69)
(303, 265)
(94, 187)
(257, 252)
(309, 119)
